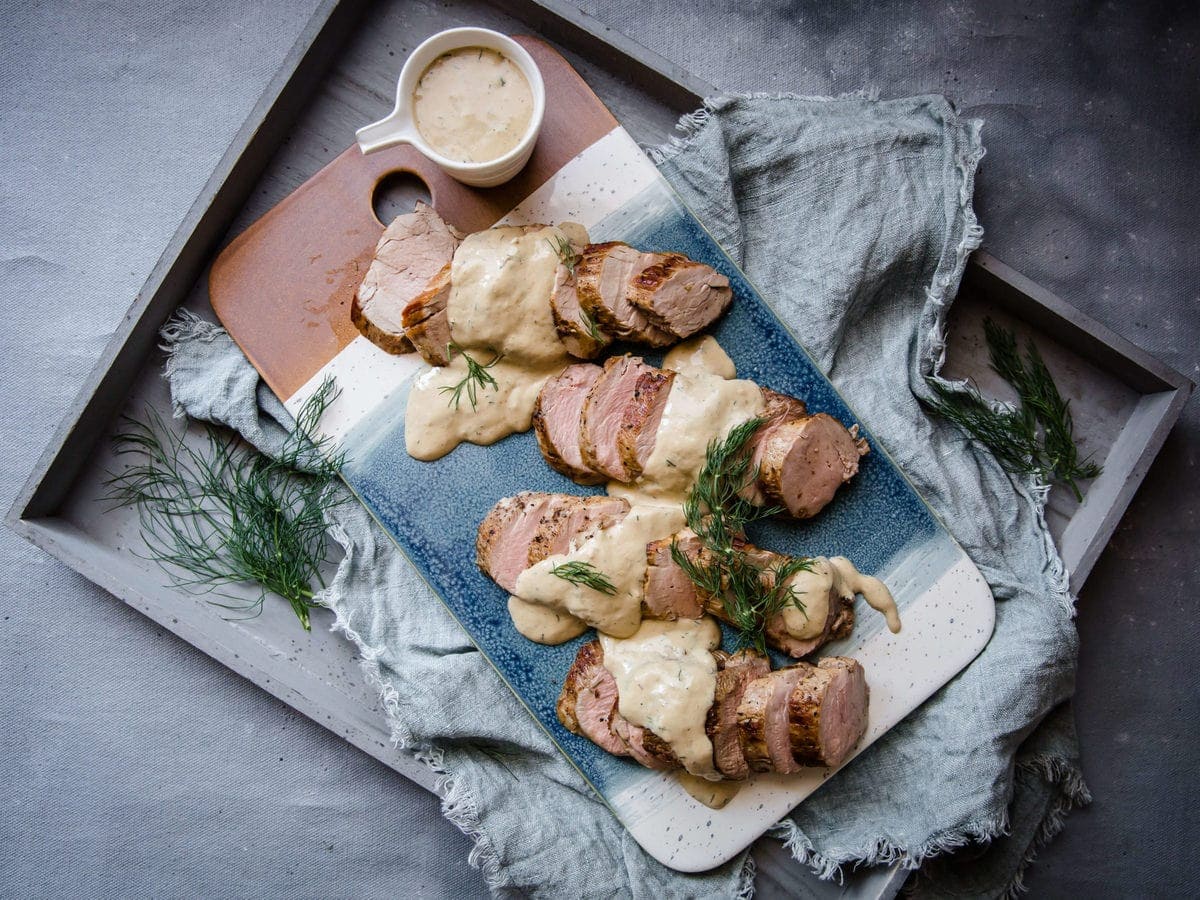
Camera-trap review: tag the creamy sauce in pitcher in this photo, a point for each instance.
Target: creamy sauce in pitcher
(472, 105)
(666, 679)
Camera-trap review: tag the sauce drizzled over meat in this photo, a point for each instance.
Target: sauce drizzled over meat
(666, 678)
(511, 310)
(619, 552)
(706, 402)
(497, 310)
(503, 316)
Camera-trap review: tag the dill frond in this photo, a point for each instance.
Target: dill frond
(477, 377)
(750, 593)
(590, 324)
(1036, 438)
(586, 574)
(224, 513)
(565, 252)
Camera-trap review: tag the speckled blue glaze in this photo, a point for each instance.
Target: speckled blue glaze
(432, 509)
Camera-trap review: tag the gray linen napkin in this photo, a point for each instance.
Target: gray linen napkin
(854, 218)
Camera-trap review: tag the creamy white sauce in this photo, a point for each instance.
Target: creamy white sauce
(618, 553)
(701, 407)
(501, 280)
(875, 592)
(713, 794)
(500, 285)
(542, 624)
(433, 426)
(472, 105)
(666, 679)
(700, 354)
(812, 589)
(836, 577)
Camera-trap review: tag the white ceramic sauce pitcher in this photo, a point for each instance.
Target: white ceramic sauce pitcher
(399, 127)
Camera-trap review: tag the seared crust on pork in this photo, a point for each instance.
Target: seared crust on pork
(396, 343)
(759, 720)
(669, 594)
(805, 461)
(640, 419)
(752, 723)
(521, 531)
(411, 250)
(680, 296)
(603, 415)
(827, 712)
(602, 278)
(427, 322)
(581, 335)
(734, 674)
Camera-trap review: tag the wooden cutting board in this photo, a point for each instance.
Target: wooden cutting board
(283, 287)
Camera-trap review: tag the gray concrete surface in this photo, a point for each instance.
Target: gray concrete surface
(134, 765)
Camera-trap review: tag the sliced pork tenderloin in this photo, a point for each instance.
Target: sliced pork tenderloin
(668, 593)
(805, 461)
(557, 421)
(778, 408)
(522, 530)
(611, 409)
(603, 277)
(503, 539)
(804, 715)
(410, 252)
(827, 712)
(838, 624)
(574, 521)
(759, 720)
(645, 746)
(640, 419)
(588, 703)
(734, 673)
(426, 320)
(680, 296)
(588, 706)
(581, 335)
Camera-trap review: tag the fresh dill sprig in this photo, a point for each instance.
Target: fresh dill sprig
(716, 508)
(1037, 438)
(223, 513)
(477, 377)
(586, 574)
(750, 593)
(565, 251)
(755, 595)
(590, 324)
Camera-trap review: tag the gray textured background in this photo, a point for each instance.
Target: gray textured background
(134, 765)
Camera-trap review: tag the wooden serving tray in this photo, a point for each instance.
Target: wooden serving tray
(283, 289)
(341, 73)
